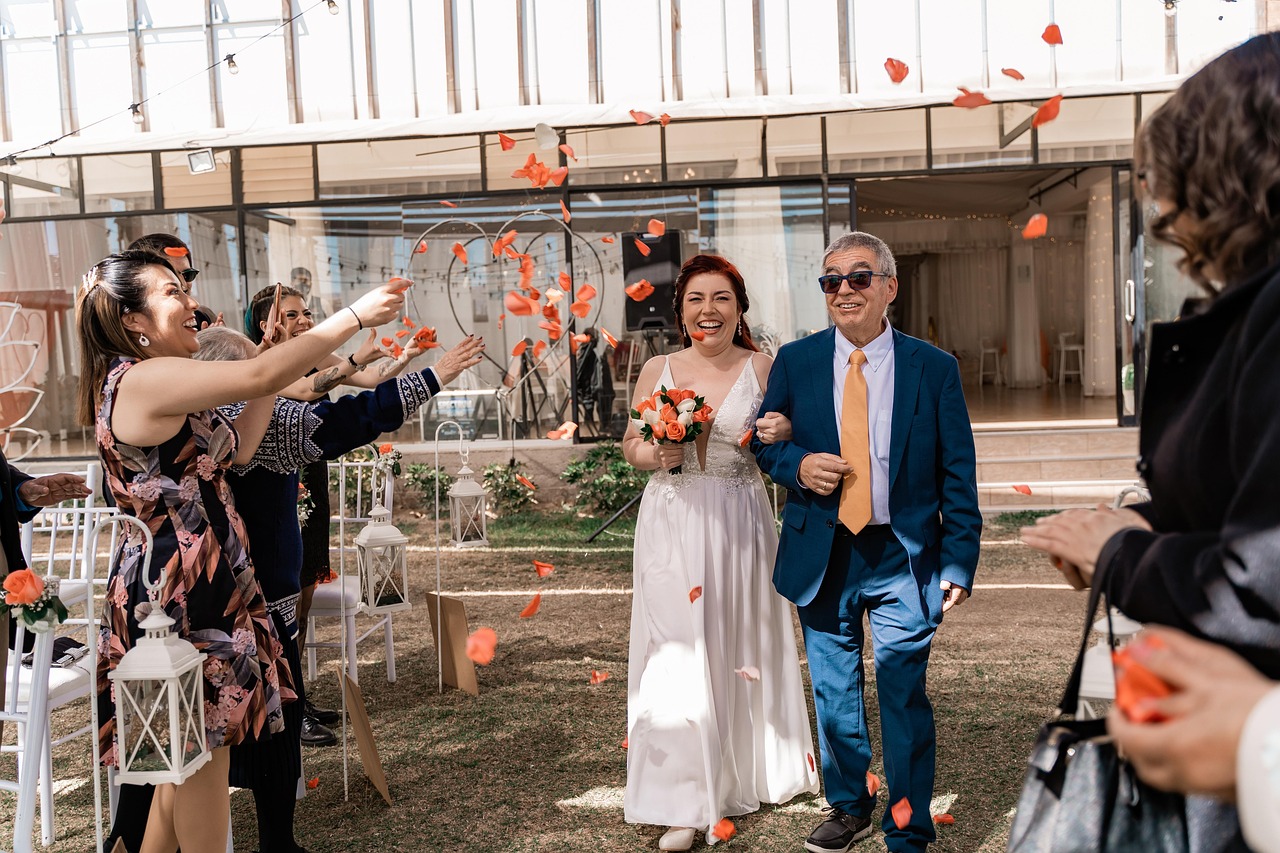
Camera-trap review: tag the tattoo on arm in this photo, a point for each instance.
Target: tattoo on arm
(388, 367)
(327, 380)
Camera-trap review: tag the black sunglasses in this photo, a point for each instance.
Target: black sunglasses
(858, 280)
(190, 273)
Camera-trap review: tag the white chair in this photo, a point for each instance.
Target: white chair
(342, 598)
(988, 348)
(1064, 349)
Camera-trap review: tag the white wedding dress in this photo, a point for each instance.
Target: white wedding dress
(705, 742)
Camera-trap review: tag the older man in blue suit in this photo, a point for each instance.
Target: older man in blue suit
(881, 519)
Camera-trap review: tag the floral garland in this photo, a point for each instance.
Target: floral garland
(34, 600)
(306, 504)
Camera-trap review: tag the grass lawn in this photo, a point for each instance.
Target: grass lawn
(536, 761)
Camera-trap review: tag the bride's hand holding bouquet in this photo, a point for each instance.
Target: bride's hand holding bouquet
(670, 416)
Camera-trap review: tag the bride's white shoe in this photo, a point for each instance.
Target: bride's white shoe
(676, 838)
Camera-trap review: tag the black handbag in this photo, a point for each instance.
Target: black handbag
(1080, 796)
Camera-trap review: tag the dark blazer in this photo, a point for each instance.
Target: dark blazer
(1210, 453)
(933, 493)
(11, 515)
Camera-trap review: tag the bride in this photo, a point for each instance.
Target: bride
(716, 716)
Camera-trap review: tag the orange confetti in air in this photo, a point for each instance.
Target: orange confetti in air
(606, 239)
(401, 333)
(386, 342)
(599, 675)
(971, 100)
(511, 253)
(421, 248)
(901, 812)
(581, 339)
(873, 784)
(396, 350)
(566, 283)
(695, 594)
(448, 204)
(519, 348)
(809, 755)
(896, 69)
(557, 176)
(1036, 227)
(175, 251)
(538, 349)
(1048, 111)
(641, 117)
(459, 252)
(748, 673)
(664, 119)
(406, 321)
(543, 569)
(697, 334)
(1052, 35)
(506, 142)
(580, 309)
(564, 212)
(553, 330)
(554, 295)
(609, 339)
(551, 312)
(532, 607)
(481, 645)
(1022, 490)
(501, 319)
(519, 304)
(568, 152)
(944, 819)
(656, 227)
(640, 291)
(1012, 72)
(525, 481)
(313, 783)
(586, 293)
(642, 248)
(425, 338)
(724, 829)
(745, 441)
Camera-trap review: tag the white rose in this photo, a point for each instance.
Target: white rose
(638, 423)
(685, 418)
(685, 406)
(650, 417)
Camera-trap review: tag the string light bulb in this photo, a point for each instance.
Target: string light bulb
(232, 68)
(15, 168)
(136, 110)
(1170, 8)
(333, 6)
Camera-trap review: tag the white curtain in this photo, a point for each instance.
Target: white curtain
(1023, 367)
(969, 290)
(1099, 296)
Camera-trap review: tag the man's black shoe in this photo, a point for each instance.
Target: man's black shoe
(315, 733)
(838, 832)
(328, 716)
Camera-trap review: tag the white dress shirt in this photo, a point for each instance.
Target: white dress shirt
(878, 372)
(1258, 775)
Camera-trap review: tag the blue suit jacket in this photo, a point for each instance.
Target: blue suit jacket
(933, 493)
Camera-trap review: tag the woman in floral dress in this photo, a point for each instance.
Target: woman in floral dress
(165, 452)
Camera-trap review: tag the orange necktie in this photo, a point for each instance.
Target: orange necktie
(855, 447)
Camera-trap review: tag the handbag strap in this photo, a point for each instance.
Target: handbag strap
(1071, 696)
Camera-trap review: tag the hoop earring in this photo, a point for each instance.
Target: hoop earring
(143, 341)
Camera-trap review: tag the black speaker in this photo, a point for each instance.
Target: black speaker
(660, 267)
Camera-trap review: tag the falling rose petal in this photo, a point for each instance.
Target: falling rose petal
(421, 248)
(944, 819)
(1022, 490)
(566, 283)
(748, 673)
(664, 119)
(896, 69)
(1036, 227)
(568, 152)
(697, 334)
(580, 309)
(449, 204)
(519, 304)
(599, 675)
(525, 481)
(695, 594)
(501, 319)
(406, 321)
(481, 645)
(511, 253)
(586, 293)
(551, 312)
(519, 348)
(386, 342)
(640, 291)
(402, 333)
(901, 812)
(656, 227)
(1048, 111)
(538, 349)
(609, 339)
(641, 117)
(724, 829)
(812, 768)
(581, 339)
(545, 136)
(873, 784)
(971, 100)
(425, 338)
(1012, 72)
(553, 330)
(175, 251)
(642, 248)
(543, 569)
(554, 295)
(564, 212)
(506, 142)
(1052, 35)
(397, 350)
(532, 607)
(313, 783)
(626, 742)
(557, 176)
(606, 239)
(746, 438)
(459, 252)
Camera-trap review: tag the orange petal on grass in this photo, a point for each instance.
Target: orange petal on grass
(901, 812)
(695, 594)
(1052, 34)
(586, 292)
(656, 227)
(944, 819)
(641, 290)
(1022, 490)
(313, 783)
(1012, 72)
(642, 248)
(564, 212)
(746, 438)
(543, 569)
(641, 117)
(896, 69)
(599, 675)
(538, 349)
(532, 607)
(748, 673)
(449, 203)
(568, 152)
(421, 248)
(523, 480)
(971, 100)
(873, 784)
(580, 309)
(460, 252)
(664, 119)
(506, 142)
(519, 348)
(606, 239)
(1036, 227)
(724, 829)
(481, 645)
(609, 339)
(1048, 111)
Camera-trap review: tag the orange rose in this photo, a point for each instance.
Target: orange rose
(701, 416)
(686, 394)
(22, 587)
(668, 414)
(645, 405)
(675, 431)
(384, 449)
(659, 429)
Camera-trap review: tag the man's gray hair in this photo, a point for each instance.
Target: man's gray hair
(863, 240)
(218, 343)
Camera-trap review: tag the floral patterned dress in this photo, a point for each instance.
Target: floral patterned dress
(179, 490)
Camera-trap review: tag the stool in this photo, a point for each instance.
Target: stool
(988, 349)
(1065, 348)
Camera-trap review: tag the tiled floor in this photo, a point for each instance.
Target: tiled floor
(1037, 407)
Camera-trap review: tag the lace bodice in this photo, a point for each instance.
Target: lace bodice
(727, 458)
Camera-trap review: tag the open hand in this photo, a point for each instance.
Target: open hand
(822, 472)
(464, 355)
(369, 350)
(53, 489)
(380, 305)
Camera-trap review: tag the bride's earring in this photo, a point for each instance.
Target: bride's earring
(143, 341)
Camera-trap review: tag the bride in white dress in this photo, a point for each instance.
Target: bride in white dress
(716, 716)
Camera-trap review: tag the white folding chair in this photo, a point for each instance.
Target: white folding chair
(342, 598)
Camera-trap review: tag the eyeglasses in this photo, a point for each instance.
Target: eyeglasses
(858, 280)
(189, 274)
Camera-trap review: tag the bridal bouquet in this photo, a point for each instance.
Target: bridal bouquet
(671, 416)
(33, 600)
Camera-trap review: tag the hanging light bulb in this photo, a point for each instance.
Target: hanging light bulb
(333, 6)
(232, 68)
(1170, 8)
(138, 117)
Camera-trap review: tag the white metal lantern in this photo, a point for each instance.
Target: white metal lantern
(384, 570)
(159, 696)
(468, 506)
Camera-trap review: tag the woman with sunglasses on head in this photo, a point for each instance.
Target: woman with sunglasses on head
(178, 254)
(716, 716)
(165, 451)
